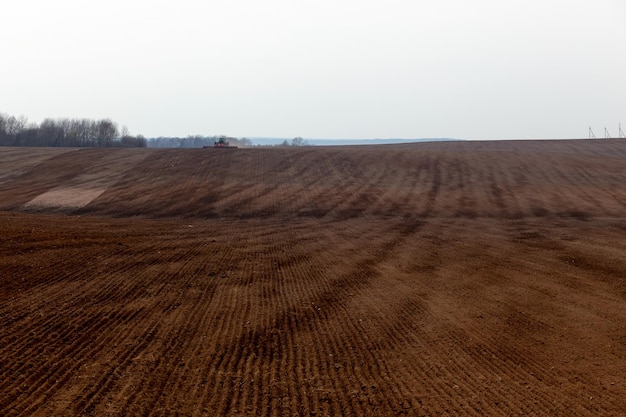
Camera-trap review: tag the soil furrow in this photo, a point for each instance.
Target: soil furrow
(459, 278)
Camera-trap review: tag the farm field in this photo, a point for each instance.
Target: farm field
(444, 278)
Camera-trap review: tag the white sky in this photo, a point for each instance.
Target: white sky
(481, 69)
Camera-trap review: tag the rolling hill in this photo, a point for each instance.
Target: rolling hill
(443, 278)
(449, 179)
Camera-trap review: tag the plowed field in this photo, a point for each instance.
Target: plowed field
(453, 279)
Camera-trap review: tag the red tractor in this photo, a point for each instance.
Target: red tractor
(222, 143)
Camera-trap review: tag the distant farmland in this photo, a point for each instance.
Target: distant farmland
(441, 278)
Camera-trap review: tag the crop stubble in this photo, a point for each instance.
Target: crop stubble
(432, 279)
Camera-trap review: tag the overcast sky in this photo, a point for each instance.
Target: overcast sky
(481, 69)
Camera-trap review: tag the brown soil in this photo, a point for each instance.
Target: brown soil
(468, 279)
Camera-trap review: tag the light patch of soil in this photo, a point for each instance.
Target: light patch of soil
(67, 197)
(80, 179)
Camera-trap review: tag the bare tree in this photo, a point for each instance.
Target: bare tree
(245, 142)
(50, 134)
(14, 125)
(106, 132)
(17, 131)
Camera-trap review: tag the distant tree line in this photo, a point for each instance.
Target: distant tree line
(17, 131)
(195, 141)
(297, 141)
(199, 141)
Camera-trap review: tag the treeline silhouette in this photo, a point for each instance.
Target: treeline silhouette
(195, 141)
(199, 141)
(17, 131)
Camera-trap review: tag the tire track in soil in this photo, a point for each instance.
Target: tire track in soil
(494, 355)
(330, 365)
(175, 307)
(241, 355)
(391, 341)
(75, 346)
(93, 329)
(359, 194)
(395, 344)
(434, 170)
(534, 371)
(268, 338)
(90, 399)
(160, 400)
(395, 333)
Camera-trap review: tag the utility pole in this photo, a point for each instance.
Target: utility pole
(621, 134)
(591, 135)
(606, 134)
